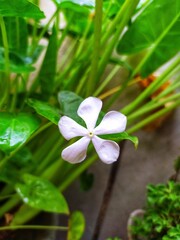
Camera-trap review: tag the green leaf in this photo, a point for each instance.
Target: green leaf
(18, 63)
(69, 103)
(9, 173)
(161, 40)
(76, 13)
(48, 69)
(15, 129)
(17, 35)
(121, 136)
(45, 110)
(23, 158)
(112, 6)
(41, 194)
(20, 8)
(76, 226)
(75, 5)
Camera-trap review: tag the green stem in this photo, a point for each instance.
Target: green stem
(6, 83)
(107, 80)
(6, 45)
(11, 203)
(96, 47)
(152, 106)
(45, 28)
(76, 172)
(169, 90)
(153, 117)
(118, 26)
(43, 227)
(49, 156)
(152, 88)
(14, 98)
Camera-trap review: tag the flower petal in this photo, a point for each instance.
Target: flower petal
(69, 128)
(112, 122)
(108, 151)
(89, 111)
(76, 152)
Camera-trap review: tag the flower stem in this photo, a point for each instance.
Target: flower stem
(6, 84)
(96, 47)
(152, 106)
(153, 117)
(43, 227)
(152, 87)
(118, 26)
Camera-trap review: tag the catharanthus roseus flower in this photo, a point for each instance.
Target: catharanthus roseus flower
(113, 122)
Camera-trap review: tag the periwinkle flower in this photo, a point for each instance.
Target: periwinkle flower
(113, 122)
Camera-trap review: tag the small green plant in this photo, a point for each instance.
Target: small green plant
(161, 220)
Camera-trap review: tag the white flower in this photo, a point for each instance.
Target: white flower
(113, 122)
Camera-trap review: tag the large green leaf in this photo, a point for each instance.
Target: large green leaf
(48, 70)
(15, 129)
(76, 226)
(76, 13)
(41, 194)
(45, 110)
(17, 35)
(156, 29)
(20, 8)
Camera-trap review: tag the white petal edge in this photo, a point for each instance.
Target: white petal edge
(112, 122)
(70, 129)
(108, 151)
(89, 111)
(76, 152)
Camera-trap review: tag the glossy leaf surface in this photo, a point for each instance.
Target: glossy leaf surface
(41, 194)
(16, 129)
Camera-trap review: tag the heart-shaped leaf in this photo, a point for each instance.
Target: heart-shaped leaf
(155, 30)
(17, 35)
(20, 8)
(15, 129)
(45, 110)
(41, 194)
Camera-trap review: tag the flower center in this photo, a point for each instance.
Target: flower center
(91, 134)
